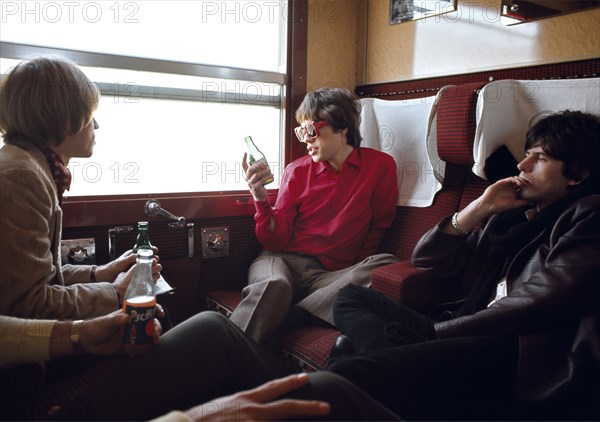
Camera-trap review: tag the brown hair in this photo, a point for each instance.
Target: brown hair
(338, 106)
(43, 100)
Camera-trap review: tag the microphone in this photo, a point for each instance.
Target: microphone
(153, 209)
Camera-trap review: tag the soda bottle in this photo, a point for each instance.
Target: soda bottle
(143, 238)
(255, 156)
(140, 304)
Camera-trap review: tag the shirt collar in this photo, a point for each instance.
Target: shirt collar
(60, 172)
(354, 159)
(530, 213)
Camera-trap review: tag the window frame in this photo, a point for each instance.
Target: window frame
(81, 211)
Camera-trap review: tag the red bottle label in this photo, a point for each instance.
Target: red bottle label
(142, 310)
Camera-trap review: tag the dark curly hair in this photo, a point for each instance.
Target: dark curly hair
(572, 137)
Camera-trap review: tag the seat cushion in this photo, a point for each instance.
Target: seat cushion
(223, 301)
(307, 348)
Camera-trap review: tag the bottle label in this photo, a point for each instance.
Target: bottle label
(142, 310)
(260, 160)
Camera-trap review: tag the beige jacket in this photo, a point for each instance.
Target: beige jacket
(24, 341)
(32, 282)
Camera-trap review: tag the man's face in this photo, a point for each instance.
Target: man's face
(80, 145)
(330, 146)
(547, 183)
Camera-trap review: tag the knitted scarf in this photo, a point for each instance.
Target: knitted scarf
(60, 172)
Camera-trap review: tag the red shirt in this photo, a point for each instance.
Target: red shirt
(340, 218)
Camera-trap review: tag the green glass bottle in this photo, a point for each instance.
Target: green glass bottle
(143, 237)
(255, 155)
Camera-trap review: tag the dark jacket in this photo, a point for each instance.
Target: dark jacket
(553, 300)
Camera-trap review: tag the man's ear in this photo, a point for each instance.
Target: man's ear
(573, 182)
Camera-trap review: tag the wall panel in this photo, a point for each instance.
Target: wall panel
(472, 39)
(332, 38)
(351, 42)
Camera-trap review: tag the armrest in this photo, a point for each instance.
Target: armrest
(416, 288)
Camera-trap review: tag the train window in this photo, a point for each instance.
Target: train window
(176, 106)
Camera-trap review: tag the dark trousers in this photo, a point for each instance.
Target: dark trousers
(202, 358)
(401, 363)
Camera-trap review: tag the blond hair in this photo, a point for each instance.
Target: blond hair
(44, 100)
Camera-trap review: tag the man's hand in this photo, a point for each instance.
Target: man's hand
(256, 176)
(111, 271)
(499, 197)
(258, 405)
(123, 279)
(504, 195)
(104, 335)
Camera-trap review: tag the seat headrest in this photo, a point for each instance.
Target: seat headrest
(507, 108)
(456, 123)
(399, 129)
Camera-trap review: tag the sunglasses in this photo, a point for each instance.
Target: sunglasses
(310, 129)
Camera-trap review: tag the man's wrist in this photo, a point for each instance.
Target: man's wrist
(462, 231)
(259, 198)
(76, 334)
(262, 207)
(100, 273)
(119, 296)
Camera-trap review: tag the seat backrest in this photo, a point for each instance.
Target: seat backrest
(455, 128)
